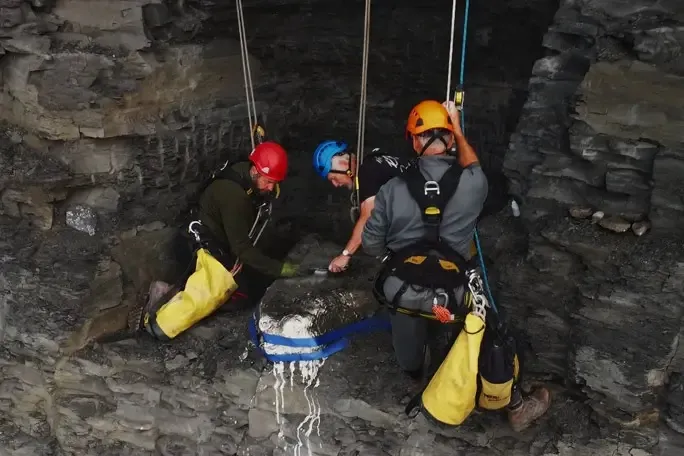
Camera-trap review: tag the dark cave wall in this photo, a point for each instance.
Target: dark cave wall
(162, 93)
(408, 63)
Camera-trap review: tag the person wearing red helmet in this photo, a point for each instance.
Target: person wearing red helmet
(231, 208)
(228, 207)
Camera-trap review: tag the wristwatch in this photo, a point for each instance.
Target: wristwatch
(346, 253)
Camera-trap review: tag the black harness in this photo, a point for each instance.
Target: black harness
(430, 262)
(201, 236)
(355, 209)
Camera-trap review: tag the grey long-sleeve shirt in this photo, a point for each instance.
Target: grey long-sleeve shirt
(396, 219)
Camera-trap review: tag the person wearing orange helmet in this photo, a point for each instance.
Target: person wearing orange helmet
(423, 223)
(231, 207)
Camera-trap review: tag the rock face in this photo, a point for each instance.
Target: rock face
(209, 392)
(112, 113)
(601, 129)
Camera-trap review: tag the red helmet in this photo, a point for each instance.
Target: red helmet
(270, 160)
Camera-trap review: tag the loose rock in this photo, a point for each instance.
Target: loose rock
(580, 212)
(82, 218)
(641, 228)
(616, 224)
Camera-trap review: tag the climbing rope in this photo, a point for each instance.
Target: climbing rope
(246, 73)
(451, 48)
(458, 98)
(360, 139)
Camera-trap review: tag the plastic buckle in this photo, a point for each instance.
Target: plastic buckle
(431, 186)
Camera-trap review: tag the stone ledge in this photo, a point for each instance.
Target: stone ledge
(208, 391)
(144, 397)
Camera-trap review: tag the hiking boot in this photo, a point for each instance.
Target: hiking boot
(533, 406)
(156, 292)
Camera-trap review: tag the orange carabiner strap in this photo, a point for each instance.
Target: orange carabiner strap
(442, 314)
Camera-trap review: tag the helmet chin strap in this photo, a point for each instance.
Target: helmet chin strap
(435, 136)
(348, 172)
(355, 206)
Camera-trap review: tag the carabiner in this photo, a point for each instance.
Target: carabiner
(193, 231)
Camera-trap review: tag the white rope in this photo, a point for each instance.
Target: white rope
(246, 72)
(360, 139)
(451, 49)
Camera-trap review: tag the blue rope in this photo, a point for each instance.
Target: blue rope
(463, 54)
(461, 79)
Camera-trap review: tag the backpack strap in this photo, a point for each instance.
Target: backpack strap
(227, 172)
(432, 196)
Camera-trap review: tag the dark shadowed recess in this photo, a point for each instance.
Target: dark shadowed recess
(311, 55)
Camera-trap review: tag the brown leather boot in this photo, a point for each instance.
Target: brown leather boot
(156, 292)
(533, 406)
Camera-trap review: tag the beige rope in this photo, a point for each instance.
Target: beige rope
(246, 72)
(360, 140)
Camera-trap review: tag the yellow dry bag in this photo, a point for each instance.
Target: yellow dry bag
(205, 290)
(499, 370)
(450, 396)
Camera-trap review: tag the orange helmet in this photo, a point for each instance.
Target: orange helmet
(428, 115)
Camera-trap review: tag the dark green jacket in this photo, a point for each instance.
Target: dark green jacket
(228, 212)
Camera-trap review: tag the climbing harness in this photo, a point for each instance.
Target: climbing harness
(480, 304)
(354, 199)
(261, 220)
(415, 265)
(459, 96)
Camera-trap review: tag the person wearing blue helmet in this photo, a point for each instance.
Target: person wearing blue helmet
(334, 162)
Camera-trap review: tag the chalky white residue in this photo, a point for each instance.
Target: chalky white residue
(309, 371)
(295, 326)
(278, 384)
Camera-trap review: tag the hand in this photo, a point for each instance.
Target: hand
(289, 270)
(339, 263)
(455, 115)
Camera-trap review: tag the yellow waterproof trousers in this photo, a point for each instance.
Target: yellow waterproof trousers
(205, 291)
(450, 396)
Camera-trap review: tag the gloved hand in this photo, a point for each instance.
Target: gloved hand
(289, 269)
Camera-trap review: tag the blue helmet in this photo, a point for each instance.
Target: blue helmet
(322, 157)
